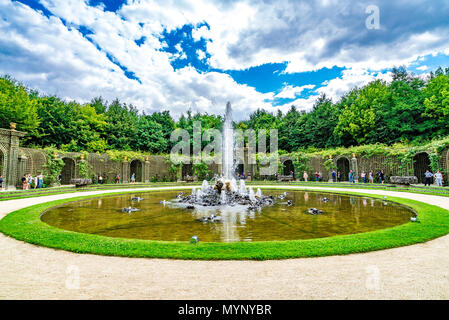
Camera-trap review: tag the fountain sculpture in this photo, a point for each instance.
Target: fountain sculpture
(225, 190)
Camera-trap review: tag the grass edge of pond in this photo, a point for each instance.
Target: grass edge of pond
(25, 225)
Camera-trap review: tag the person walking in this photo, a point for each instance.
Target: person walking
(363, 176)
(338, 176)
(320, 176)
(381, 176)
(428, 176)
(30, 181)
(370, 177)
(316, 176)
(133, 178)
(1, 181)
(40, 180)
(35, 182)
(351, 177)
(100, 179)
(334, 176)
(305, 176)
(439, 178)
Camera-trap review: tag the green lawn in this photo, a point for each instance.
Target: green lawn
(25, 225)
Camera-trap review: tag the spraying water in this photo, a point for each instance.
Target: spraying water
(225, 191)
(228, 145)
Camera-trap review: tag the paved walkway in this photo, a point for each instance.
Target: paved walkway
(415, 272)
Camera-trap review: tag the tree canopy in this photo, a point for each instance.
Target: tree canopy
(409, 109)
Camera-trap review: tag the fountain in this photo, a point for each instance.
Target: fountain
(226, 191)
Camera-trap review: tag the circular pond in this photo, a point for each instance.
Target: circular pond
(170, 221)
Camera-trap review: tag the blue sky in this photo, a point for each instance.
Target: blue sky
(198, 55)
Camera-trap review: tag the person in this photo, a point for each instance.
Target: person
(363, 176)
(117, 178)
(439, 178)
(24, 182)
(428, 175)
(320, 176)
(381, 176)
(133, 178)
(370, 177)
(305, 176)
(30, 180)
(40, 180)
(100, 179)
(334, 176)
(1, 181)
(35, 182)
(291, 173)
(351, 176)
(338, 176)
(316, 176)
(60, 178)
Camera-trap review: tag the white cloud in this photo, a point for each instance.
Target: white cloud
(290, 92)
(44, 54)
(351, 78)
(201, 54)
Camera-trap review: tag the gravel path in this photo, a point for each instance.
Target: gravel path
(415, 272)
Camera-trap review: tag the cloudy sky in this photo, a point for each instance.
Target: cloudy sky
(177, 55)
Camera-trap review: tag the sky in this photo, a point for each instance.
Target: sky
(197, 55)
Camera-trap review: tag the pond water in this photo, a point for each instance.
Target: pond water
(342, 214)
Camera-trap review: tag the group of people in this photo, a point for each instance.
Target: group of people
(429, 175)
(28, 181)
(336, 176)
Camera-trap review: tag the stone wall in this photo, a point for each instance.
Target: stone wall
(16, 162)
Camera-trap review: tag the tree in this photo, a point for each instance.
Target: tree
(437, 103)
(150, 136)
(121, 130)
(358, 119)
(17, 106)
(316, 128)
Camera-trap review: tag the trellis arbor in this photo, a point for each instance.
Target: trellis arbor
(15, 162)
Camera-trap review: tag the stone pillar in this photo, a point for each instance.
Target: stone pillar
(125, 171)
(146, 170)
(10, 142)
(354, 168)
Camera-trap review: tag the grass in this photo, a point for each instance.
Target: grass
(25, 225)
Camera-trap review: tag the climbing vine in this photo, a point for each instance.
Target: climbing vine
(53, 167)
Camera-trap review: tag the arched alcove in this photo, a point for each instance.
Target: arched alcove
(187, 170)
(421, 163)
(288, 168)
(343, 167)
(136, 168)
(68, 171)
(239, 169)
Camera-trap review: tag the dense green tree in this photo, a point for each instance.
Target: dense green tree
(315, 128)
(358, 119)
(17, 106)
(121, 131)
(437, 103)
